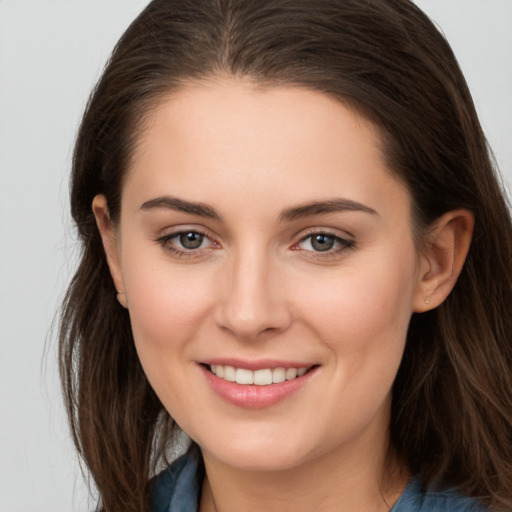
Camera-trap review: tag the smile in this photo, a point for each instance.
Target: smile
(263, 385)
(263, 377)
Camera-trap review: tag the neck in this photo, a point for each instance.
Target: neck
(345, 480)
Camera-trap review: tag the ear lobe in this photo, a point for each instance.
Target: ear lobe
(108, 237)
(441, 262)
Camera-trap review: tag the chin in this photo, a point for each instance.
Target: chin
(258, 453)
(260, 461)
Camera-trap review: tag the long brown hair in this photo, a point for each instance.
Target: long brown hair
(452, 398)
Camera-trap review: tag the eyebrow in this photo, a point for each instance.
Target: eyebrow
(180, 205)
(298, 212)
(328, 206)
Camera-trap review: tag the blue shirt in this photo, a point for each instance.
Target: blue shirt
(177, 489)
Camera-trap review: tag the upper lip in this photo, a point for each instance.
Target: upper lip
(260, 364)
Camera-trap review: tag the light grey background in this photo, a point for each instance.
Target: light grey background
(51, 53)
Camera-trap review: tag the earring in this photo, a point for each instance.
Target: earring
(427, 300)
(121, 298)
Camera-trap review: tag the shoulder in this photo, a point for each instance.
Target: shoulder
(177, 488)
(414, 499)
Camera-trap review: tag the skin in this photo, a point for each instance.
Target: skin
(257, 289)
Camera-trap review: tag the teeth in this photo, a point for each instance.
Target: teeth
(243, 376)
(229, 373)
(291, 373)
(263, 377)
(278, 375)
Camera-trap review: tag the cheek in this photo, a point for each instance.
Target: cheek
(363, 322)
(363, 300)
(363, 317)
(166, 304)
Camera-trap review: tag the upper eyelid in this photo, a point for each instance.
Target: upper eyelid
(167, 235)
(345, 242)
(334, 232)
(175, 234)
(170, 232)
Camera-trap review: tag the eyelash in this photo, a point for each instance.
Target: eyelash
(166, 242)
(344, 244)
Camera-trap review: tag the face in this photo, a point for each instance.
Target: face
(268, 262)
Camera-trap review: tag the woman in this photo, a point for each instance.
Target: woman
(296, 250)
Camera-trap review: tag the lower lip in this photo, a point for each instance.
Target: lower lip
(252, 396)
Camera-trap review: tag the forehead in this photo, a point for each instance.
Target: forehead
(239, 107)
(227, 138)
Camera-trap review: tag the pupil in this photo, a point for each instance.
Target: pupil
(191, 240)
(322, 242)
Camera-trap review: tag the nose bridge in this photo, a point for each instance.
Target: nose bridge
(253, 301)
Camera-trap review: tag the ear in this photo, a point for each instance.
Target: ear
(442, 259)
(109, 238)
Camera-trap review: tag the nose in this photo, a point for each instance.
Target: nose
(253, 299)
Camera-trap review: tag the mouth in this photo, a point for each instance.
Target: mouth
(257, 384)
(261, 377)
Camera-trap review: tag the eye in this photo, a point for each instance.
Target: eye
(186, 243)
(319, 242)
(190, 240)
(324, 243)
